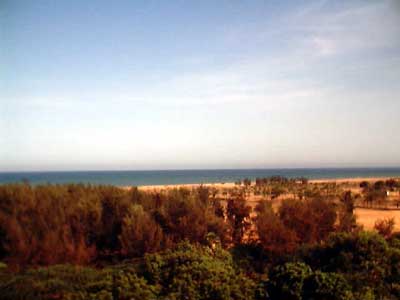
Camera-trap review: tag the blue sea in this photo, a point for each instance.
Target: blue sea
(137, 178)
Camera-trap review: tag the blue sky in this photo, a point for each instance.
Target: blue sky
(199, 84)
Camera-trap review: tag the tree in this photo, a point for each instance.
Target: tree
(286, 281)
(238, 182)
(219, 210)
(114, 208)
(140, 233)
(203, 194)
(184, 218)
(364, 184)
(303, 180)
(347, 219)
(80, 283)
(323, 214)
(379, 185)
(312, 220)
(385, 227)
(276, 191)
(364, 259)
(272, 234)
(377, 196)
(392, 184)
(247, 182)
(326, 286)
(238, 214)
(199, 273)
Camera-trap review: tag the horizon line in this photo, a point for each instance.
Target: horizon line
(200, 169)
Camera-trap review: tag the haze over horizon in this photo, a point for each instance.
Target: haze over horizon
(199, 85)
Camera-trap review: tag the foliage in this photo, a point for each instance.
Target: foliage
(238, 213)
(327, 286)
(173, 244)
(385, 227)
(347, 219)
(272, 234)
(79, 224)
(140, 233)
(364, 259)
(286, 281)
(72, 282)
(312, 219)
(193, 272)
(296, 281)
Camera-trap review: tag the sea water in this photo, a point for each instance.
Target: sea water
(160, 177)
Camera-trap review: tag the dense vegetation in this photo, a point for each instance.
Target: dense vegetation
(104, 242)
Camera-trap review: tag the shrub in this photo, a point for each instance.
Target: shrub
(69, 282)
(385, 227)
(195, 272)
(286, 281)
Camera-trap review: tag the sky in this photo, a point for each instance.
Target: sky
(137, 85)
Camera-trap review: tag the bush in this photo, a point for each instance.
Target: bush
(286, 281)
(385, 227)
(364, 259)
(195, 272)
(70, 282)
(326, 286)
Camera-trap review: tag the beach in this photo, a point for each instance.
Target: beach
(350, 181)
(365, 216)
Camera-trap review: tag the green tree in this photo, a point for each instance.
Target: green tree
(193, 272)
(286, 281)
(363, 258)
(140, 233)
(326, 286)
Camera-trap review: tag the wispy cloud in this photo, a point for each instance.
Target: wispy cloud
(369, 25)
(313, 32)
(283, 88)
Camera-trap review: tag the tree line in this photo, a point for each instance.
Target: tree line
(50, 224)
(79, 241)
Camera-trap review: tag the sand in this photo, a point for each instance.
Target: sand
(365, 217)
(189, 186)
(350, 180)
(368, 217)
(231, 184)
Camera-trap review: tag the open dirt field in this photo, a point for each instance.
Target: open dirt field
(365, 216)
(368, 217)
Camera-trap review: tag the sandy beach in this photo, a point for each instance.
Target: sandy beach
(232, 184)
(365, 216)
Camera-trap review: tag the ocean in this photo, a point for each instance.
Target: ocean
(137, 178)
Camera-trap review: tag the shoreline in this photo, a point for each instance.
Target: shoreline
(350, 180)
